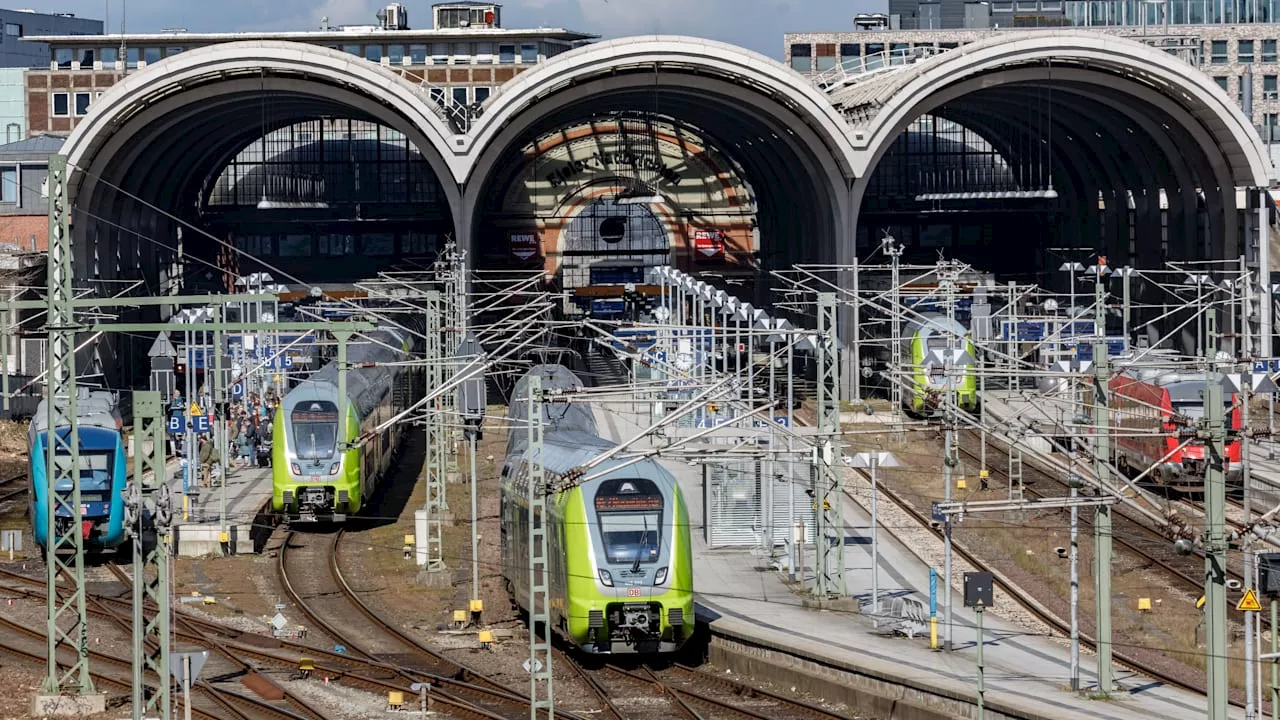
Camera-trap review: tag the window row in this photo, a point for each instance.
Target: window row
(806, 57)
(66, 104)
(442, 53)
(1247, 51)
(1135, 13)
(9, 184)
(460, 53)
(1270, 86)
(337, 244)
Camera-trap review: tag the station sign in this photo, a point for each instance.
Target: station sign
(175, 425)
(524, 246)
(237, 389)
(709, 244)
(1266, 365)
(607, 307)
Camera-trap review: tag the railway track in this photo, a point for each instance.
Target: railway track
(7, 489)
(681, 691)
(1043, 614)
(328, 601)
(209, 701)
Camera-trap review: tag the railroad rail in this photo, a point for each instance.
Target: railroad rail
(467, 692)
(1018, 594)
(7, 492)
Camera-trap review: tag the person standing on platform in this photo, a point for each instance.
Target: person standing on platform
(206, 462)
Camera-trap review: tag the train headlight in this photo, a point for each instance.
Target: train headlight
(333, 469)
(660, 577)
(294, 467)
(605, 577)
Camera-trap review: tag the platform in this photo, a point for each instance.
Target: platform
(199, 528)
(1026, 675)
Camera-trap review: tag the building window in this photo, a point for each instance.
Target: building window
(378, 244)
(352, 50)
(1244, 50)
(529, 54)
(295, 246)
(61, 104)
(373, 53)
(86, 56)
(418, 54)
(9, 184)
(484, 53)
(1218, 52)
(13, 29)
(439, 53)
(802, 57)
(1268, 51)
(108, 56)
(849, 54)
(1269, 128)
(506, 54)
(437, 95)
(171, 51)
(151, 55)
(460, 95)
(395, 53)
(131, 57)
(82, 103)
(1270, 88)
(12, 132)
(461, 53)
(825, 63)
(482, 94)
(64, 57)
(1222, 81)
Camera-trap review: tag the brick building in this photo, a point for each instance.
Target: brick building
(465, 55)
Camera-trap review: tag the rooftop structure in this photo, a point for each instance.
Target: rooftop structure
(17, 27)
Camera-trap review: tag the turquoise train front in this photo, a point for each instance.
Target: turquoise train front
(620, 557)
(103, 473)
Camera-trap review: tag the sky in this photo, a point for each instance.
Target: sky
(755, 24)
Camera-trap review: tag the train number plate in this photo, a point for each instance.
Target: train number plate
(633, 592)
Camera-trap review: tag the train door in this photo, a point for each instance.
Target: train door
(610, 230)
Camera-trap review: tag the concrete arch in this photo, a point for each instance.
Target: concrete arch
(704, 83)
(323, 79)
(1148, 75)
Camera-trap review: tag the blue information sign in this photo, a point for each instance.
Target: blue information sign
(175, 423)
(200, 424)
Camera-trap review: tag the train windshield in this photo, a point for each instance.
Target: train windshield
(315, 430)
(95, 469)
(630, 517)
(1194, 410)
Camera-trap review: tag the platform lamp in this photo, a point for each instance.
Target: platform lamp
(1072, 269)
(1198, 282)
(472, 401)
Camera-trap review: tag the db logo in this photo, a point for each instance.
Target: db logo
(633, 592)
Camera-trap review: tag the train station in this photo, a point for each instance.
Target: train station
(924, 371)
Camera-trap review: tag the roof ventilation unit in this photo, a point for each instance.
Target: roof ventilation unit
(394, 17)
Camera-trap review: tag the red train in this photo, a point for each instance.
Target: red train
(1143, 404)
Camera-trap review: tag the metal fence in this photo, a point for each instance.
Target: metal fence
(743, 499)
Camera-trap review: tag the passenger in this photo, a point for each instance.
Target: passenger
(246, 441)
(206, 462)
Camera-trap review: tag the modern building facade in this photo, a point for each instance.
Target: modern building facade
(979, 14)
(465, 55)
(17, 26)
(24, 205)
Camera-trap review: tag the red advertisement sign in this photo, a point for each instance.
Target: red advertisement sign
(524, 245)
(709, 244)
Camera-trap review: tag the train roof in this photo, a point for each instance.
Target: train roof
(366, 386)
(556, 417)
(935, 324)
(1183, 386)
(94, 408)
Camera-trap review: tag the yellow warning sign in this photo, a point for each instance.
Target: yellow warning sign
(1249, 603)
(195, 410)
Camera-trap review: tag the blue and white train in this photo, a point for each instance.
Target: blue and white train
(102, 472)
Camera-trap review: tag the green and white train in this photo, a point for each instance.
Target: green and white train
(313, 477)
(620, 561)
(928, 341)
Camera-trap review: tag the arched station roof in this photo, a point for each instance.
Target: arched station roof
(1142, 82)
(167, 124)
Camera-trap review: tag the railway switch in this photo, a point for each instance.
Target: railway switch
(395, 700)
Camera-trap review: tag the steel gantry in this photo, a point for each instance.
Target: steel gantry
(66, 617)
(435, 460)
(149, 514)
(541, 693)
(827, 481)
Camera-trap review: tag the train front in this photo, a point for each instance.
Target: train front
(102, 480)
(313, 479)
(633, 590)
